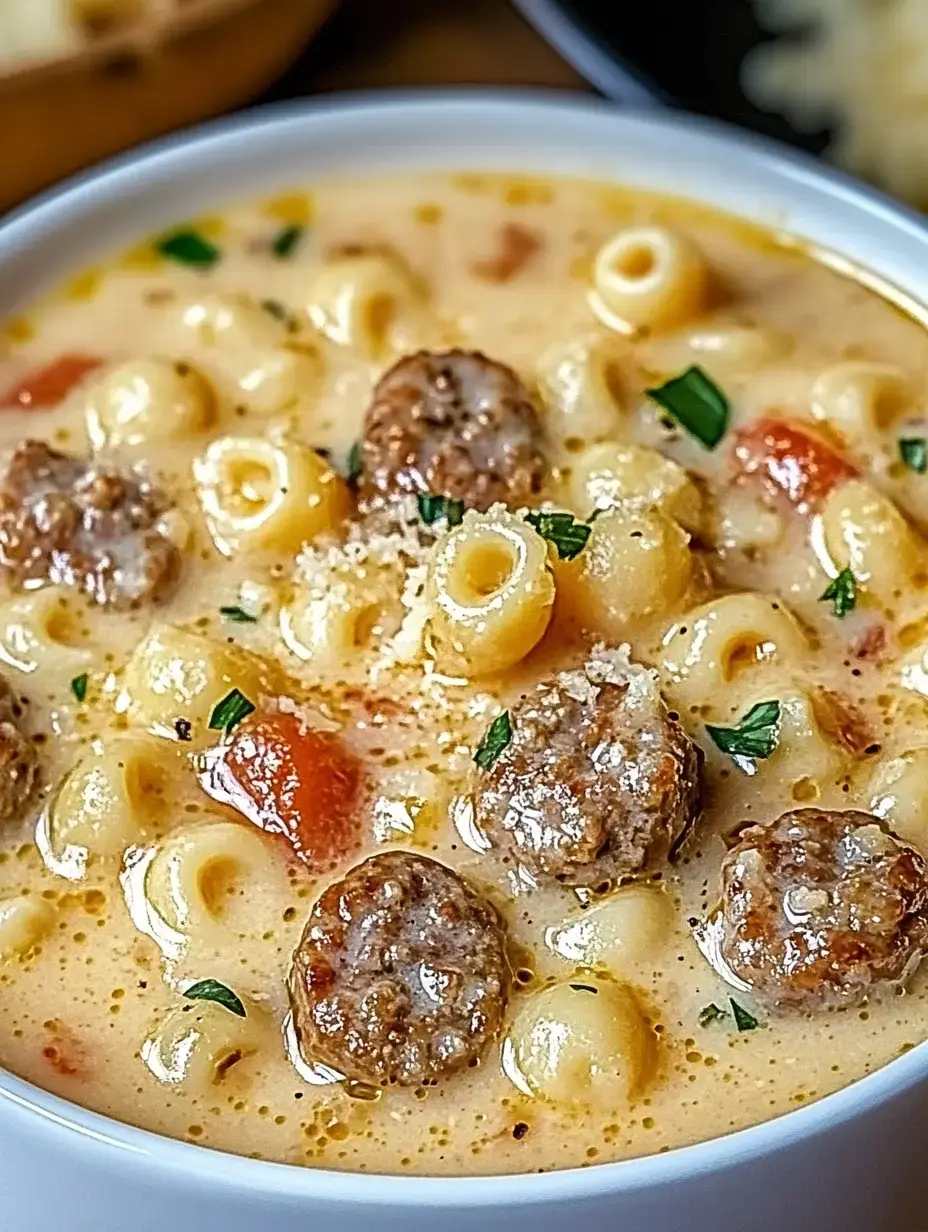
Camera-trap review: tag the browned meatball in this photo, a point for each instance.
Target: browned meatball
(454, 424)
(401, 974)
(18, 759)
(82, 524)
(818, 906)
(597, 782)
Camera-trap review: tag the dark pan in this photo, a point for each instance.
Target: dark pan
(684, 53)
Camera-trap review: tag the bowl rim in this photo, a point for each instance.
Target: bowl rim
(34, 1108)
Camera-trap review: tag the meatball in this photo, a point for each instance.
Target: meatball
(819, 906)
(597, 782)
(401, 974)
(82, 524)
(455, 424)
(18, 758)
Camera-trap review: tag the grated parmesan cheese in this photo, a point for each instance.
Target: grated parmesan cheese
(401, 541)
(578, 686)
(406, 644)
(400, 545)
(310, 718)
(608, 665)
(614, 665)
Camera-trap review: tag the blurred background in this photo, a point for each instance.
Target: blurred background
(81, 79)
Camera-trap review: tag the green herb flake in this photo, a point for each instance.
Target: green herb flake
(711, 1013)
(79, 686)
(562, 529)
(433, 508)
(744, 1021)
(228, 713)
(754, 738)
(274, 308)
(913, 451)
(842, 591)
(355, 465)
(237, 615)
(584, 988)
(695, 402)
(286, 241)
(190, 248)
(212, 990)
(497, 737)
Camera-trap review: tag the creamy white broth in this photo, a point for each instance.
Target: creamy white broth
(76, 1009)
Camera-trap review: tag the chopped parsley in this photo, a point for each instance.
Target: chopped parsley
(274, 308)
(190, 248)
(79, 686)
(497, 737)
(562, 529)
(695, 402)
(228, 713)
(584, 988)
(183, 727)
(237, 615)
(913, 451)
(433, 508)
(286, 241)
(355, 464)
(711, 1013)
(842, 591)
(754, 737)
(212, 990)
(744, 1021)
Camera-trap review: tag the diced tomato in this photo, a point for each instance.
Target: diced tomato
(791, 461)
(871, 644)
(842, 720)
(291, 780)
(517, 247)
(50, 385)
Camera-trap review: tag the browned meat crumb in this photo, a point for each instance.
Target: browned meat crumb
(82, 524)
(819, 906)
(597, 782)
(401, 974)
(19, 761)
(454, 424)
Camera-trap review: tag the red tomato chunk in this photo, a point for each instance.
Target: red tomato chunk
(791, 461)
(871, 644)
(48, 386)
(294, 781)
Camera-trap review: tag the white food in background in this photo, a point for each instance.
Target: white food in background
(863, 68)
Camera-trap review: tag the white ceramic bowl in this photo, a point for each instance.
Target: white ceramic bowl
(853, 1161)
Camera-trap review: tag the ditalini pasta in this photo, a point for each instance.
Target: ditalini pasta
(455, 712)
(147, 400)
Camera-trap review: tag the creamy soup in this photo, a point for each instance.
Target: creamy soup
(423, 600)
